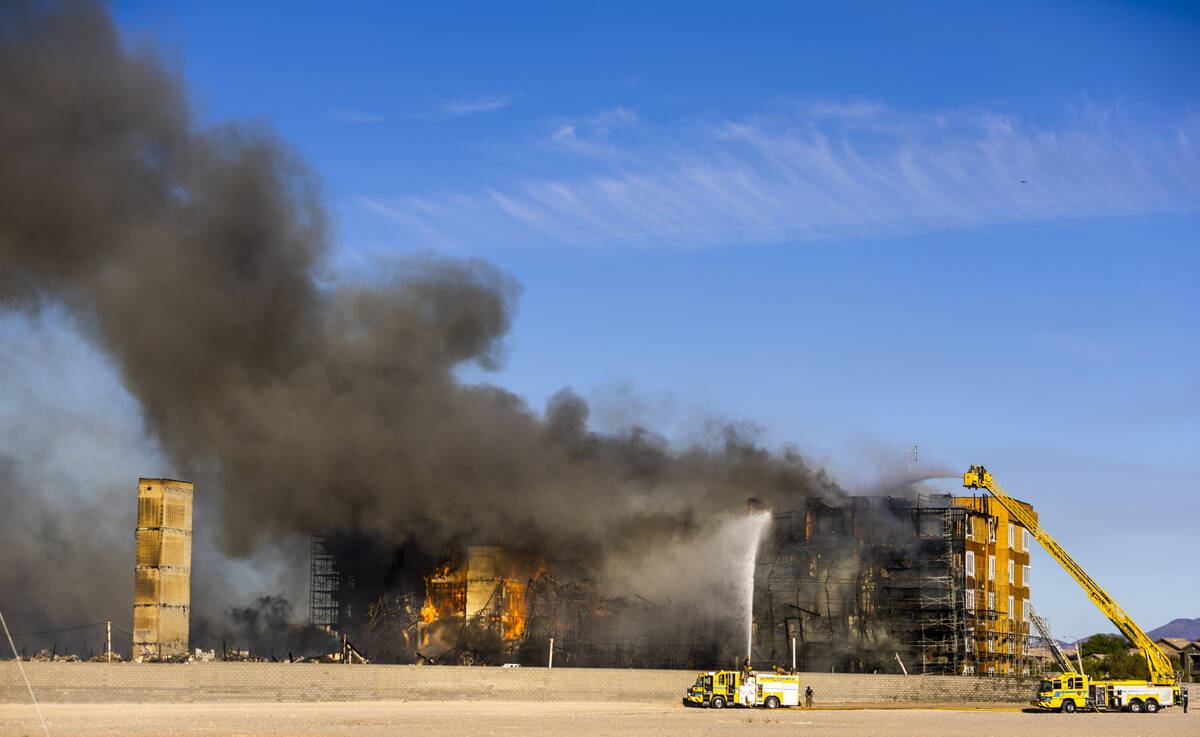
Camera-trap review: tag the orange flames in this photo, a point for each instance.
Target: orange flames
(516, 609)
(429, 611)
(446, 598)
(516, 604)
(445, 595)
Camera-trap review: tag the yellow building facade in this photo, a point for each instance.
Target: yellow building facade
(163, 567)
(996, 587)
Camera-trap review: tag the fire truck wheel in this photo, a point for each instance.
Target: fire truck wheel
(1151, 706)
(1068, 707)
(771, 702)
(1135, 706)
(717, 702)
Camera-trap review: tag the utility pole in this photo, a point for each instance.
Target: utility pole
(108, 640)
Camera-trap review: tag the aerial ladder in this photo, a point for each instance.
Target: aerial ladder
(1044, 630)
(1163, 678)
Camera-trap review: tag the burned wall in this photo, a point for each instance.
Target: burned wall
(860, 583)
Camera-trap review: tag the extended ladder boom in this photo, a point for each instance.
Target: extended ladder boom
(1161, 671)
(1044, 630)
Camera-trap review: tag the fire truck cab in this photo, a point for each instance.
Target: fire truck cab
(1068, 692)
(718, 689)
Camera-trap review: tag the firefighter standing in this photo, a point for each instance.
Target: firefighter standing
(808, 693)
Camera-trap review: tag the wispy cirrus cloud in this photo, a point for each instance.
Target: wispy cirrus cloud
(478, 105)
(353, 116)
(856, 168)
(591, 135)
(857, 109)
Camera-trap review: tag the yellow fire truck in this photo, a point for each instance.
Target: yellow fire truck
(718, 689)
(1067, 692)
(1074, 691)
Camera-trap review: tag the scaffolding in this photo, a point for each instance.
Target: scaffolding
(940, 632)
(325, 580)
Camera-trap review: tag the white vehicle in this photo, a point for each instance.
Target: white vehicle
(772, 690)
(1135, 696)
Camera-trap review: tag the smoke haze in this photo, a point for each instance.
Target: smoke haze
(197, 260)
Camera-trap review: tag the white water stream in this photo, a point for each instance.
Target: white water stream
(750, 530)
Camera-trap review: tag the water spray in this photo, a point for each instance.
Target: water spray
(752, 530)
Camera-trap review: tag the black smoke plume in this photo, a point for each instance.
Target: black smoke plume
(197, 259)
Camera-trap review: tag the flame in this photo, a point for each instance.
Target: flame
(516, 604)
(445, 594)
(516, 609)
(429, 611)
(446, 598)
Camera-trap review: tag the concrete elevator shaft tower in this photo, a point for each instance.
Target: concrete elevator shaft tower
(162, 574)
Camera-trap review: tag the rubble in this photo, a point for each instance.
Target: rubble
(349, 655)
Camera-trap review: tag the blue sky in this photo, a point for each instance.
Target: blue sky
(809, 217)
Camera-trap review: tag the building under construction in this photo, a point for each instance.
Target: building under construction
(927, 583)
(883, 584)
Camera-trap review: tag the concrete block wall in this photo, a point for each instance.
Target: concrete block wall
(228, 682)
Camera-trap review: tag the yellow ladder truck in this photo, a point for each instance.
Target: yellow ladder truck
(718, 689)
(1073, 691)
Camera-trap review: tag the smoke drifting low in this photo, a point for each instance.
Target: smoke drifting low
(197, 259)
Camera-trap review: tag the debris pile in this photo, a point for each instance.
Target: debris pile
(46, 656)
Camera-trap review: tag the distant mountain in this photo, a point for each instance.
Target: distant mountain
(1186, 628)
(1072, 645)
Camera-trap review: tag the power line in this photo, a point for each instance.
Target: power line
(63, 629)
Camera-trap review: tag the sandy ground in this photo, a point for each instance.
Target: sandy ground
(574, 719)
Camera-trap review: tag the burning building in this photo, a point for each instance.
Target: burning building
(859, 584)
(475, 604)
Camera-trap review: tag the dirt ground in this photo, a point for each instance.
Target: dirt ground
(573, 718)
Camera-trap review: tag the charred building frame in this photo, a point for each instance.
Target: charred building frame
(926, 582)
